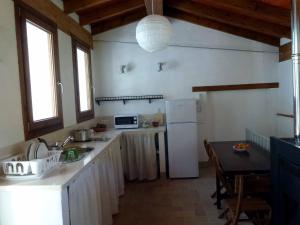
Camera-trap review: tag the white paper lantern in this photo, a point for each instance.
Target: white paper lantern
(153, 33)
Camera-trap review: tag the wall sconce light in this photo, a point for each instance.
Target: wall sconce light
(160, 66)
(123, 68)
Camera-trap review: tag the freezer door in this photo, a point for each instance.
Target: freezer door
(183, 150)
(178, 111)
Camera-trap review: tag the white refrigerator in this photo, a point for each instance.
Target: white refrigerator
(182, 135)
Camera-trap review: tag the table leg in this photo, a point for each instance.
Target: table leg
(218, 185)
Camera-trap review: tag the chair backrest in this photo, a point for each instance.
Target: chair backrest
(220, 173)
(249, 185)
(208, 149)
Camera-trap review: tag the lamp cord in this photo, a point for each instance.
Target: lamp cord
(152, 8)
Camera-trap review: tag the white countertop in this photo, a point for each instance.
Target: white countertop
(143, 130)
(63, 175)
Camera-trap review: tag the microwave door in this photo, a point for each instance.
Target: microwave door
(123, 120)
(126, 122)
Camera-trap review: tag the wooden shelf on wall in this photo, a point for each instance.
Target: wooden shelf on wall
(236, 87)
(285, 115)
(125, 99)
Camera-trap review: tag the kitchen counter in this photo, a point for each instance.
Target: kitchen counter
(62, 176)
(143, 130)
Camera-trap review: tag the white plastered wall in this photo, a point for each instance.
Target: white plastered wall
(199, 56)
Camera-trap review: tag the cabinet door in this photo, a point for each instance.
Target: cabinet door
(83, 199)
(32, 206)
(139, 156)
(104, 189)
(115, 156)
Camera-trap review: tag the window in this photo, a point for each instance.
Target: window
(39, 73)
(83, 81)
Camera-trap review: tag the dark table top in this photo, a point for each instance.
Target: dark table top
(255, 161)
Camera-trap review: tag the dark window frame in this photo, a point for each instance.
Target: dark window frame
(32, 128)
(89, 114)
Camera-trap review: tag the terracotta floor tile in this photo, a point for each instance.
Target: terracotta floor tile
(170, 202)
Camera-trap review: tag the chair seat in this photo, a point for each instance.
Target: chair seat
(249, 204)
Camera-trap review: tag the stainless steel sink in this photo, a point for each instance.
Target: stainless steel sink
(74, 153)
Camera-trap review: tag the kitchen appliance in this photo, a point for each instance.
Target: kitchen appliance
(182, 135)
(82, 135)
(126, 121)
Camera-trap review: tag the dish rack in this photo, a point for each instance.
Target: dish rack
(17, 166)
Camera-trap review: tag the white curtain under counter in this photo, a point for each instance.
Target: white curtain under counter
(139, 153)
(94, 195)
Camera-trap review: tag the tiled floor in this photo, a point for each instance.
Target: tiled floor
(170, 202)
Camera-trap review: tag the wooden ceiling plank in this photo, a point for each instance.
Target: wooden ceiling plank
(267, 39)
(253, 9)
(71, 6)
(281, 3)
(229, 18)
(100, 14)
(117, 22)
(157, 7)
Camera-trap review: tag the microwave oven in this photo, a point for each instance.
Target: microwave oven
(126, 121)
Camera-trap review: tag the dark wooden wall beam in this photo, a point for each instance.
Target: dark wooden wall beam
(157, 7)
(117, 22)
(77, 5)
(253, 9)
(285, 115)
(103, 13)
(229, 18)
(236, 87)
(267, 39)
(285, 52)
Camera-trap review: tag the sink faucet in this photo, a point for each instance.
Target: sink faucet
(68, 139)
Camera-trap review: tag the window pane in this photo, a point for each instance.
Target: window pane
(41, 70)
(84, 80)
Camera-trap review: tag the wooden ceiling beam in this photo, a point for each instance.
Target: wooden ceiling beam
(157, 7)
(117, 22)
(63, 21)
(232, 19)
(267, 39)
(71, 6)
(100, 14)
(285, 52)
(253, 9)
(279, 3)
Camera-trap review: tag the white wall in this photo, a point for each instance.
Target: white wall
(67, 78)
(285, 99)
(11, 123)
(225, 115)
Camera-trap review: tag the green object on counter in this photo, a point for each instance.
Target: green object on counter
(71, 154)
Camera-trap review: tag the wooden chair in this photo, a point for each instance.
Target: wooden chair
(225, 181)
(208, 149)
(248, 200)
(210, 159)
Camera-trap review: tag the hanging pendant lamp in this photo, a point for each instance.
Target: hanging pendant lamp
(153, 32)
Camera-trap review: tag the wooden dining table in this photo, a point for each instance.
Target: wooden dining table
(255, 160)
